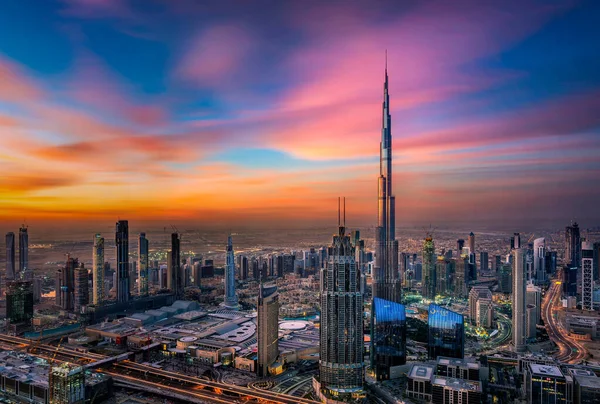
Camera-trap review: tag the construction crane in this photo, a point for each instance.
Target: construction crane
(56, 351)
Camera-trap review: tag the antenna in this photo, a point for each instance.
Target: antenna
(339, 222)
(344, 211)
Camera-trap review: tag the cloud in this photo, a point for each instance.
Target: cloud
(16, 85)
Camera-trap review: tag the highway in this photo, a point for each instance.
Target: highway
(570, 350)
(126, 371)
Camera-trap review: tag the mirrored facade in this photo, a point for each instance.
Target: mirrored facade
(388, 342)
(446, 333)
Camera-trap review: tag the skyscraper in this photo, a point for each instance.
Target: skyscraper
(519, 299)
(386, 280)
(388, 344)
(446, 335)
(122, 246)
(472, 242)
(143, 265)
(10, 256)
(572, 245)
(23, 249)
(341, 332)
(539, 256)
(268, 327)
(429, 260)
(484, 261)
(460, 244)
(65, 284)
(19, 302)
(98, 270)
(515, 241)
(587, 276)
(81, 288)
(174, 278)
(230, 296)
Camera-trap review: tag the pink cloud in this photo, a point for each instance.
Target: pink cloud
(216, 56)
(15, 85)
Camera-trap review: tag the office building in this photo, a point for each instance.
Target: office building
(539, 260)
(10, 256)
(569, 280)
(550, 262)
(429, 261)
(472, 242)
(545, 384)
(446, 335)
(572, 245)
(65, 284)
(388, 341)
(534, 298)
(586, 386)
(143, 265)
(386, 280)
(444, 275)
(243, 268)
(81, 288)
(67, 384)
(122, 247)
(484, 261)
(596, 260)
(341, 363)
(461, 276)
(19, 302)
(505, 278)
(23, 249)
(518, 300)
(460, 244)
(231, 299)
(268, 328)
(174, 278)
(98, 270)
(587, 276)
(481, 309)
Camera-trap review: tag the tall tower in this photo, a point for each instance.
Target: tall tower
(230, 296)
(472, 242)
(65, 284)
(23, 249)
(10, 256)
(429, 261)
(519, 302)
(268, 328)
(587, 276)
(572, 245)
(386, 279)
(341, 361)
(98, 270)
(122, 245)
(81, 290)
(174, 278)
(143, 265)
(539, 257)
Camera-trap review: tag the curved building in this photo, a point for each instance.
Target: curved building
(446, 333)
(388, 341)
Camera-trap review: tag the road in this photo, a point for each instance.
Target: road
(164, 379)
(570, 350)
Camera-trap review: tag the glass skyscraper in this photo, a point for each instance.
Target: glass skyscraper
(446, 333)
(388, 342)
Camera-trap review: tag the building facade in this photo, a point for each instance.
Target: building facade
(446, 333)
(143, 265)
(231, 299)
(587, 276)
(65, 284)
(429, 275)
(122, 247)
(268, 328)
(19, 302)
(388, 341)
(174, 278)
(23, 249)
(98, 270)
(10, 256)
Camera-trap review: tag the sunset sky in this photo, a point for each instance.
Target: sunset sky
(250, 111)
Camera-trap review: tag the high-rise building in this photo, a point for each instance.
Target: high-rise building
(481, 310)
(231, 299)
(10, 256)
(587, 276)
(388, 344)
(515, 241)
(484, 261)
(66, 384)
(446, 333)
(19, 302)
(23, 249)
(545, 384)
(98, 270)
(550, 263)
(569, 280)
(572, 245)
(65, 284)
(518, 300)
(429, 262)
(82, 291)
(596, 260)
(268, 328)
(461, 276)
(539, 260)
(174, 278)
(472, 242)
(143, 265)
(534, 297)
(444, 275)
(386, 281)
(341, 362)
(460, 244)
(505, 278)
(122, 247)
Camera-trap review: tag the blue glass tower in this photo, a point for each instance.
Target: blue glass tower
(388, 341)
(446, 333)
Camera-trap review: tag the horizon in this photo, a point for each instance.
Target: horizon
(181, 114)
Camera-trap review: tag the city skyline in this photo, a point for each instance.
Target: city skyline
(230, 123)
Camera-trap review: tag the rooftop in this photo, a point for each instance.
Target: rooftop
(545, 370)
(421, 372)
(457, 384)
